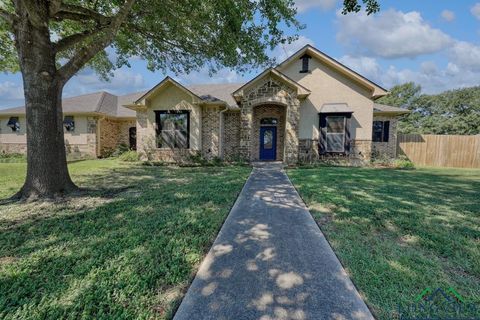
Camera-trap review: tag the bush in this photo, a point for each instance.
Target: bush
(129, 156)
(403, 162)
(12, 157)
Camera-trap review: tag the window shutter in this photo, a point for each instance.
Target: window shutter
(386, 130)
(322, 141)
(347, 133)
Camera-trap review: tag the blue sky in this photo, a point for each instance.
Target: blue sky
(435, 43)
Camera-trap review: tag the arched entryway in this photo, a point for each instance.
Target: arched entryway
(268, 132)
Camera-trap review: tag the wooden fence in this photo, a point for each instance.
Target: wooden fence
(440, 150)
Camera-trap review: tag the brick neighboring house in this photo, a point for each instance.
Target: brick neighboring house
(307, 107)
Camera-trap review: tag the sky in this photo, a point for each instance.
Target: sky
(435, 43)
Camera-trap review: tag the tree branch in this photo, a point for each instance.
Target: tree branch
(75, 12)
(7, 16)
(70, 41)
(85, 54)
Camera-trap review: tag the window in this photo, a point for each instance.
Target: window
(173, 129)
(268, 139)
(335, 132)
(13, 123)
(69, 123)
(269, 121)
(305, 60)
(380, 131)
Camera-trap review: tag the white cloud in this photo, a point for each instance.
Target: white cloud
(304, 5)
(123, 81)
(432, 78)
(448, 15)
(466, 55)
(475, 10)
(390, 34)
(282, 52)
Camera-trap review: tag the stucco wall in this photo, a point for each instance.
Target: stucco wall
(169, 98)
(79, 143)
(330, 86)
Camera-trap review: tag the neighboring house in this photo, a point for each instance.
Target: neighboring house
(309, 106)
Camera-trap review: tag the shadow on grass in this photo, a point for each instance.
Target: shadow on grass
(399, 231)
(113, 255)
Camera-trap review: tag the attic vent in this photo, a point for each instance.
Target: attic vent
(305, 60)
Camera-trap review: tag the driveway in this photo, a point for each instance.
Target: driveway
(271, 261)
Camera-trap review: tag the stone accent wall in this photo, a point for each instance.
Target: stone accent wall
(268, 111)
(386, 149)
(269, 92)
(211, 132)
(309, 151)
(231, 135)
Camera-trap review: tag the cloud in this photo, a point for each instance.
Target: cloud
(282, 52)
(475, 10)
(123, 81)
(432, 78)
(325, 5)
(465, 55)
(448, 15)
(390, 34)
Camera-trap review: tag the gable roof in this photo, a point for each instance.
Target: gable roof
(377, 90)
(163, 83)
(301, 90)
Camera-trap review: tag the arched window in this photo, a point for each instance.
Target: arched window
(269, 121)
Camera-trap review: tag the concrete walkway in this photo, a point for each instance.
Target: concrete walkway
(271, 261)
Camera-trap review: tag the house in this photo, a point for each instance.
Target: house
(307, 107)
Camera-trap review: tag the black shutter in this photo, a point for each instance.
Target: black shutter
(347, 133)
(322, 141)
(386, 130)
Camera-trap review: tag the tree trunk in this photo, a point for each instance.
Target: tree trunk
(47, 172)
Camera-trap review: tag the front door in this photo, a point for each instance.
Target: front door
(268, 143)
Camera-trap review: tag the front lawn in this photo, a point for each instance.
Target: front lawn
(126, 250)
(399, 231)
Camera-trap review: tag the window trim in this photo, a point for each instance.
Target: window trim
(159, 127)
(269, 121)
(385, 131)
(305, 63)
(323, 130)
(14, 123)
(65, 123)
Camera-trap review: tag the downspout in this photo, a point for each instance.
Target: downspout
(222, 131)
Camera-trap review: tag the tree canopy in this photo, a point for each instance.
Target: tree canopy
(450, 112)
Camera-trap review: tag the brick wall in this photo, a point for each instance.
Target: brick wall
(231, 135)
(211, 132)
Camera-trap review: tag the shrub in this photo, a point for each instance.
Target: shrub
(12, 157)
(129, 156)
(403, 162)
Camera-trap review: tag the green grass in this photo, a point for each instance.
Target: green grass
(114, 253)
(399, 231)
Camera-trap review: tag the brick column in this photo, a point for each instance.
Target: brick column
(246, 115)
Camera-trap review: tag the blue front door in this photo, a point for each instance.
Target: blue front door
(268, 143)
